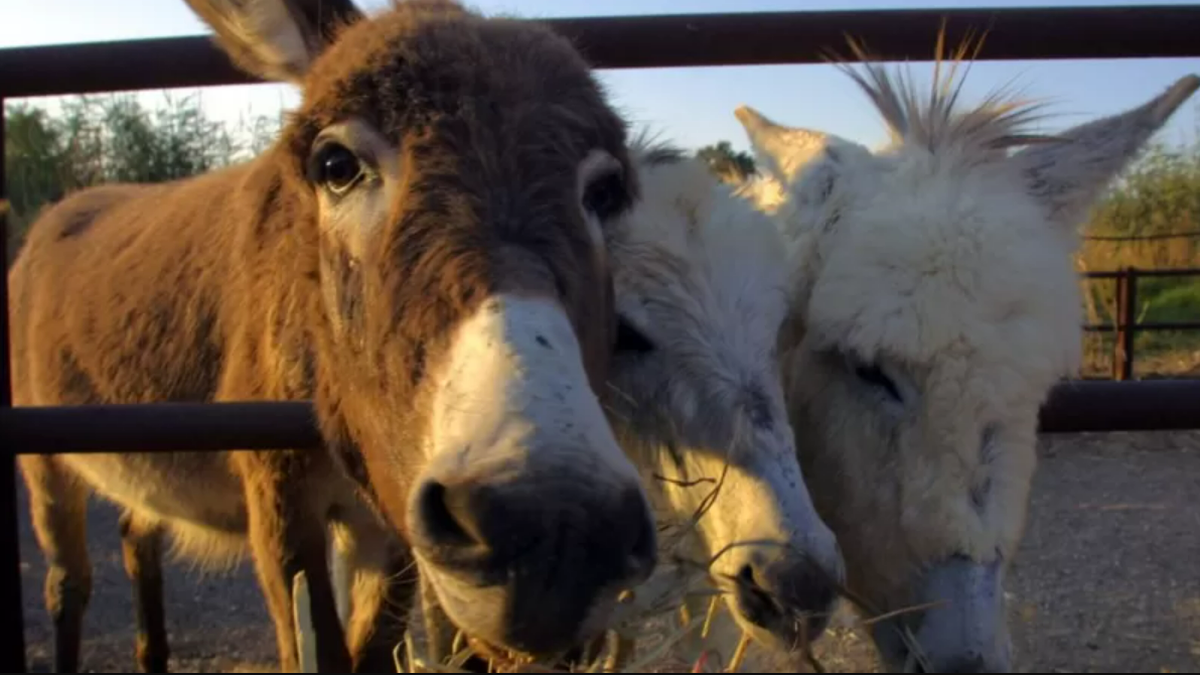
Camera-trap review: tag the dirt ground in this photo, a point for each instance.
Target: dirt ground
(1108, 579)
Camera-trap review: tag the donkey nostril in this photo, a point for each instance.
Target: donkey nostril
(746, 576)
(644, 554)
(759, 604)
(642, 548)
(442, 516)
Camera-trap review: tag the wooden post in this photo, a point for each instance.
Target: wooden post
(12, 647)
(1126, 324)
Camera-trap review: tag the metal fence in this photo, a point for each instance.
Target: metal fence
(1126, 324)
(609, 42)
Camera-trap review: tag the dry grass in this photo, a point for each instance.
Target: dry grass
(677, 583)
(639, 615)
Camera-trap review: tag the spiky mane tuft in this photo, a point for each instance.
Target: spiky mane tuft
(932, 119)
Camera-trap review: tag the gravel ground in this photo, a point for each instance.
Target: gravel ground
(1107, 579)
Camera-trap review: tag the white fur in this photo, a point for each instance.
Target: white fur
(513, 399)
(702, 276)
(947, 264)
(514, 393)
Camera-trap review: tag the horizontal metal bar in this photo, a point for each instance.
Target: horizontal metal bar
(160, 427)
(1139, 272)
(1082, 405)
(1130, 405)
(1164, 325)
(681, 40)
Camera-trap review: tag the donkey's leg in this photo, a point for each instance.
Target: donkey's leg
(287, 535)
(58, 508)
(141, 546)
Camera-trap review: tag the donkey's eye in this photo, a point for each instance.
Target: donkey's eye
(631, 340)
(335, 168)
(605, 196)
(874, 375)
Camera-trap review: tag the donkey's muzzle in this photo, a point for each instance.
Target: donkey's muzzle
(963, 630)
(790, 598)
(553, 558)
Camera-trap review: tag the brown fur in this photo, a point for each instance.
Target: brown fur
(210, 289)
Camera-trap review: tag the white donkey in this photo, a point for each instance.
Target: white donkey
(936, 306)
(696, 401)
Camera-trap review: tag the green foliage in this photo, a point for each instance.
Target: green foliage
(725, 163)
(107, 139)
(1159, 194)
(1153, 212)
(1156, 207)
(1181, 303)
(34, 160)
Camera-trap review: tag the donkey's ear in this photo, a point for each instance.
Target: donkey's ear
(1067, 176)
(276, 40)
(782, 151)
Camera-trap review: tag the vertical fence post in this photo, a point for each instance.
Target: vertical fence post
(12, 647)
(1131, 302)
(1123, 344)
(1118, 353)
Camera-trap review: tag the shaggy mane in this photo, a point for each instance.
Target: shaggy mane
(651, 151)
(932, 119)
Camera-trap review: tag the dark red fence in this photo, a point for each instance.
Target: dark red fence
(610, 42)
(1126, 325)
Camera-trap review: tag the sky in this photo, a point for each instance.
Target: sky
(692, 106)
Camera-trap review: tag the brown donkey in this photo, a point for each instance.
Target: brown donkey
(421, 252)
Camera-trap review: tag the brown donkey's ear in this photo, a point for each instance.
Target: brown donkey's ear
(275, 40)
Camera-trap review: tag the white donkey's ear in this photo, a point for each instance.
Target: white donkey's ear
(276, 40)
(782, 152)
(1069, 175)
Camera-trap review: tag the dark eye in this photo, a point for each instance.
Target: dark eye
(335, 168)
(631, 340)
(606, 195)
(874, 376)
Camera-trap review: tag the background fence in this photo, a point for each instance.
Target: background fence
(1126, 324)
(609, 42)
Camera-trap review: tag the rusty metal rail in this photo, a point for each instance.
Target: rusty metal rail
(671, 41)
(1089, 405)
(1126, 325)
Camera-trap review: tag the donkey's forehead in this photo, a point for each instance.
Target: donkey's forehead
(691, 242)
(931, 259)
(408, 67)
